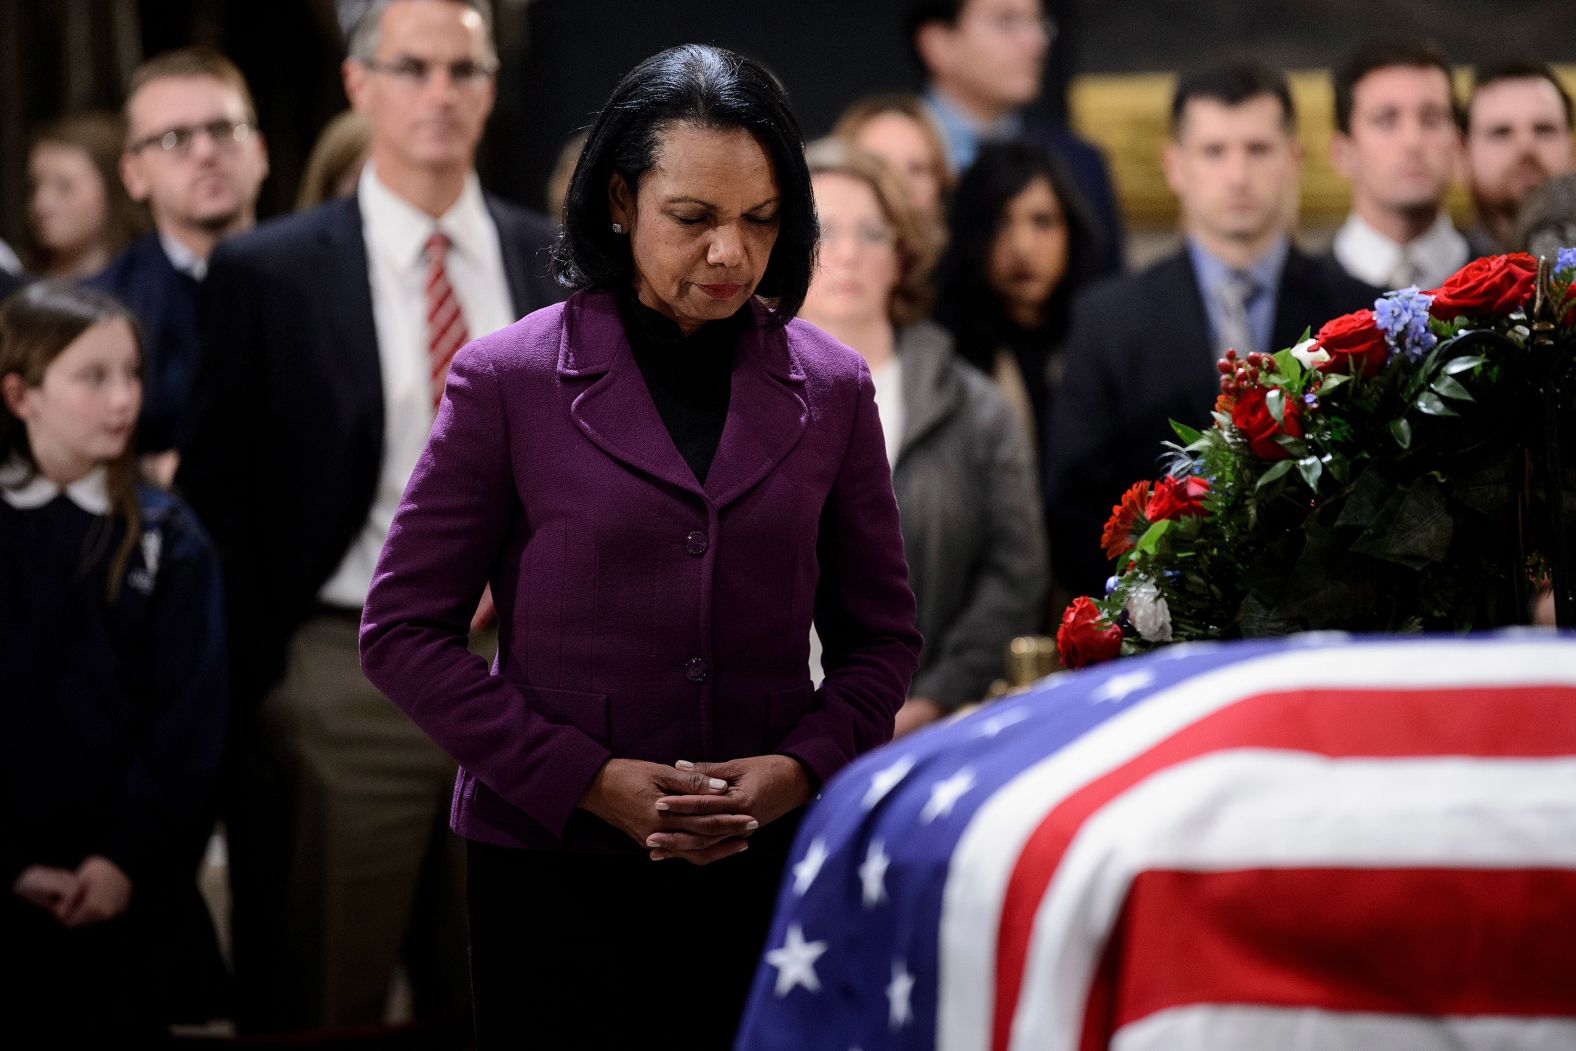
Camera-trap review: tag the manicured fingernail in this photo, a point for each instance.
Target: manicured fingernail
(653, 841)
(662, 805)
(657, 855)
(742, 848)
(752, 826)
(684, 764)
(718, 783)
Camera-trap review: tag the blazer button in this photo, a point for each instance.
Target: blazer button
(696, 544)
(696, 670)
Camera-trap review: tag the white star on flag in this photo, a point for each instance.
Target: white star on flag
(795, 962)
(805, 872)
(872, 873)
(997, 723)
(899, 996)
(886, 780)
(1119, 686)
(944, 795)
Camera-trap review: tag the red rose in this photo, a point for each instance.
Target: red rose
(1252, 417)
(1084, 637)
(1497, 284)
(1177, 499)
(1354, 344)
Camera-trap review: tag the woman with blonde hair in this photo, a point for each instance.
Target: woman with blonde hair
(898, 129)
(968, 505)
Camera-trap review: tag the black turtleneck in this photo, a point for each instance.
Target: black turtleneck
(688, 377)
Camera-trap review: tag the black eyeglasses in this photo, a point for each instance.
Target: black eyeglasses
(418, 71)
(179, 140)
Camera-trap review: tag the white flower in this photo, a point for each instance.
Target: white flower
(1148, 612)
(1310, 358)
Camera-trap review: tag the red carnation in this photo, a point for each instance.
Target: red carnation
(1126, 523)
(1085, 637)
(1497, 284)
(1175, 498)
(1251, 416)
(1354, 342)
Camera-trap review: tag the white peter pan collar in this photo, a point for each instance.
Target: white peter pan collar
(90, 492)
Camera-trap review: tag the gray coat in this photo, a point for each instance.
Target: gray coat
(969, 509)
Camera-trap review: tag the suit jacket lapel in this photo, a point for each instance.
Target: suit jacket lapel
(516, 261)
(1188, 318)
(616, 411)
(1299, 300)
(355, 326)
(766, 412)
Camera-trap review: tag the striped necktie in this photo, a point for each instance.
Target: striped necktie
(1232, 297)
(446, 332)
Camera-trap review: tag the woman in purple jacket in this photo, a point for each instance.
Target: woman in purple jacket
(665, 480)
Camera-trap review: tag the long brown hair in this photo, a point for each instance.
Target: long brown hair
(100, 136)
(36, 325)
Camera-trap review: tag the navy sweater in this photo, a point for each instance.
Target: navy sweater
(112, 714)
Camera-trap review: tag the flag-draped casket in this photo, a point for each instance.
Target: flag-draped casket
(1317, 842)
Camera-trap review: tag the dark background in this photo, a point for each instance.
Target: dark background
(562, 57)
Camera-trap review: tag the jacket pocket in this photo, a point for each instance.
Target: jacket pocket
(784, 710)
(587, 712)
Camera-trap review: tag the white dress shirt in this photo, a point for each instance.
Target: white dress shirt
(888, 383)
(396, 232)
(1371, 257)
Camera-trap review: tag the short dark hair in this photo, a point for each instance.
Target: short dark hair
(1233, 85)
(1517, 69)
(966, 303)
(707, 87)
(923, 12)
(1387, 54)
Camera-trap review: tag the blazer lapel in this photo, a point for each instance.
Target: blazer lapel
(616, 411)
(350, 290)
(1189, 321)
(930, 390)
(516, 260)
(767, 413)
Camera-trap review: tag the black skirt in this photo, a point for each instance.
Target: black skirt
(618, 951)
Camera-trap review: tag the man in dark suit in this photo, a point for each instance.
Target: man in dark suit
(194, 155)
(326, 338)
(1141, 350)
(984, 61)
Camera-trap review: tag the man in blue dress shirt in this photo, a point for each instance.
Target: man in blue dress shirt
(984, 61)
(194, 155)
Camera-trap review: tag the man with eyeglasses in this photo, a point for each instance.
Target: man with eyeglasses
(326, 340)
(984, 61)
(194, 156)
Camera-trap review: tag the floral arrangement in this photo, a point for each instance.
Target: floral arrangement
(1366, 479)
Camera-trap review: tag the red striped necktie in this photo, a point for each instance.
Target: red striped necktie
(446, 332)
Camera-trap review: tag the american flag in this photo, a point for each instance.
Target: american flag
(1317, 842)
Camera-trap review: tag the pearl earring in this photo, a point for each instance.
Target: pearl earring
(617, 228)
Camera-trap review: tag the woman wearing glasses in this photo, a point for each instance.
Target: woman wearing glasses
(961, 464)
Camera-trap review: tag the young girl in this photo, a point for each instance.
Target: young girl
(113, 703)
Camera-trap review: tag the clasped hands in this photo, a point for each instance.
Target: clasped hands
(701, 812)
(97, 891)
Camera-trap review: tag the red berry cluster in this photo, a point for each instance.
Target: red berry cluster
(1236, 373)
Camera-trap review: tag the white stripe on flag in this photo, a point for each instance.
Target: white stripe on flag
(989, 848)
(1233, 1027)
(1261, 808)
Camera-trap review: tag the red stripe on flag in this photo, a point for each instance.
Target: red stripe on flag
(1504, 722)
(1417, 941)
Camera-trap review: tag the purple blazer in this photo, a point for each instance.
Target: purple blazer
(641, 615)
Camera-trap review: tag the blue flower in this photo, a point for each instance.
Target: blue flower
(1566, 260)
(1403, 318)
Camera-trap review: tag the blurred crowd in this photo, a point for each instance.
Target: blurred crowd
(207, 423)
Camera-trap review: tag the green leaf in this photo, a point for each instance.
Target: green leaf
(1311, 469)
(1458, 365)
(1275, 402)
(1279, 471)
(1332, 380)
(1401, 430)
(1414, 528)
(1367, 500)
(1287, 365)
(1186, 433)
(1431, 403)
(1450, 388)
(1149, 542)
